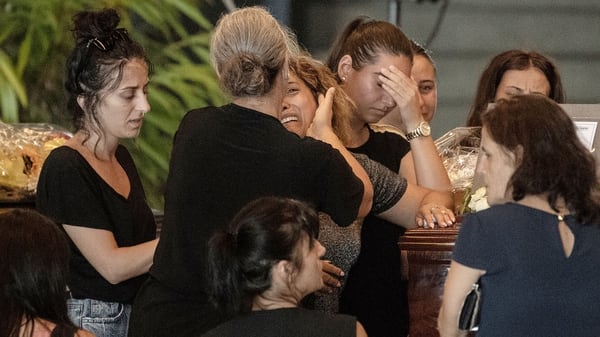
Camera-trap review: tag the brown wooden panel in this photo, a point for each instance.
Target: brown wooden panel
(426, 255)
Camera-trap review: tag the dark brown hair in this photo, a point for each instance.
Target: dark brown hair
(95, 66)
(418, 49)
(264, 232)
(512, 60)
(34, 261)
(550, 157)
(364, 40)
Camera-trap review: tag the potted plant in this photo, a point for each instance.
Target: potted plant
(35, 40)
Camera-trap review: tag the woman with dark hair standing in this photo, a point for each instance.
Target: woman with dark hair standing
(90, 186)
(34, 261)
(536, 250)
(224, 157)
(515, 72)
(394, 199)
(372, 61)
(262, 266)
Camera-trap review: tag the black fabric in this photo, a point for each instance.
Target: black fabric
(70, 192)
(290, 322)
(223, 158)
(375, 292)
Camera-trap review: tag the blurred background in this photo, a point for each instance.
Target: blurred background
(462, 35)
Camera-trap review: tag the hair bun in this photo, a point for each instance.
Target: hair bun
(95, 24)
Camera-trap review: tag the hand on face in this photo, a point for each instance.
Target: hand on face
(405, 93)
(321, 124)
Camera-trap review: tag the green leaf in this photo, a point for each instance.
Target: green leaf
(10, 109)
(9, 75)
(24, 52)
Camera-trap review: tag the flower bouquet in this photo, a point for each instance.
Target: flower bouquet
(459, 150)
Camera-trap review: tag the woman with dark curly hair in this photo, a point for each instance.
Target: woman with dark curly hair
(90, 186)
(536, 250)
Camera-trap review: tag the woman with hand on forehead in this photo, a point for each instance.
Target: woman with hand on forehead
(311, 109)
(372, 61)
(424, 73)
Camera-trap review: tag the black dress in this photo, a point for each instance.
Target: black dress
(223, 158)
(375, 292)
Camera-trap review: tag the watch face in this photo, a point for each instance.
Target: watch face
(425, 129)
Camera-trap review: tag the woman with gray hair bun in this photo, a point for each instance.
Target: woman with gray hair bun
(224, 157)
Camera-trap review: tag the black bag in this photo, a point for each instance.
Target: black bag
(469, 314)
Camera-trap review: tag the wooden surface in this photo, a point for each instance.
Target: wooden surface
(426, 255)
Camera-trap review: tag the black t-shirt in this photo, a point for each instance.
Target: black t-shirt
(375, 292)
(289, 322)
(70, 192)
(225, 157)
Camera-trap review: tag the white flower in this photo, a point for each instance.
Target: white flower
(479, 200)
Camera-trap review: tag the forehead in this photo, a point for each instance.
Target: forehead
(402, 62)
(486, 140)
(530, 76)
(422, 66)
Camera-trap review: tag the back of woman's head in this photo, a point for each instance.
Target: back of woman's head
(512, 60)
(318, 78)
(95, 66)
(264, 232)
(34, 257)
(365, 40)
(248, 49)
(550, 157)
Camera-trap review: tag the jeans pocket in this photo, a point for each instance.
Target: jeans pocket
(75, 312)
(104, 319)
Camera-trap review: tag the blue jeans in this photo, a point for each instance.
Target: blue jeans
(104, 319)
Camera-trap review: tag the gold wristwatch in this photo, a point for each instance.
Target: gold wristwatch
(423, 130)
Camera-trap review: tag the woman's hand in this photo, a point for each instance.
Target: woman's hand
(331, 275)
(431, 214)
(321, 128)
(405, 92)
